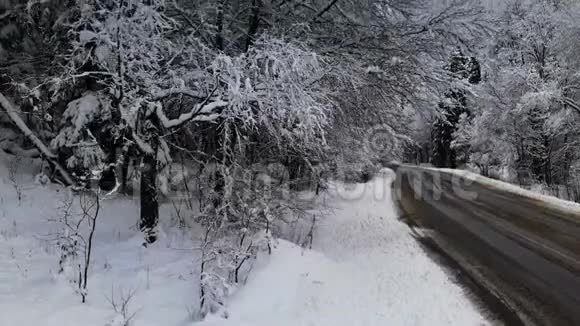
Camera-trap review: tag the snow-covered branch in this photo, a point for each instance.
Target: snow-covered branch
(198, 113)
(142, 145)
(179, 91)
(572, 104)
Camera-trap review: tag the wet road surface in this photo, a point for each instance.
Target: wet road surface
(526, 254)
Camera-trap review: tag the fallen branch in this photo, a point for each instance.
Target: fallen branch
(17, 120)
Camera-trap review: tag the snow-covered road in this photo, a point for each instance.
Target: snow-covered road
(365, 269)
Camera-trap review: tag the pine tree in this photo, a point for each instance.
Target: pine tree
(454, 106)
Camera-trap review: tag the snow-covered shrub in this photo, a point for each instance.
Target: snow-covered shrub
(74, 237)
(356, 172)
(240, 226)
(225, 264)
(277, 108)
(76, 142)
(215, 287)
(121, 304)
(13, 176)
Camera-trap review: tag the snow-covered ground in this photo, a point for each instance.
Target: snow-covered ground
(364, 269)
(32, 293)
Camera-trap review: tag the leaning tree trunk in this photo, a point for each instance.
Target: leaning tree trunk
(48, 155)
(149, 200)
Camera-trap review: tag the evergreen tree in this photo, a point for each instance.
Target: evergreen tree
(461, 68)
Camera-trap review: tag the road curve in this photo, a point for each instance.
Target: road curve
(524, 252)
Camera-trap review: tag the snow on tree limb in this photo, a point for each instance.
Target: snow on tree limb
(572, 104)
(17, 120)
(203, 113)
(143, 146)
(186, 92)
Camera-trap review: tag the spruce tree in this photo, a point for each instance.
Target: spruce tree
(451, 109)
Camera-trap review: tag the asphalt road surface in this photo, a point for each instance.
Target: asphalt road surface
(524, 253)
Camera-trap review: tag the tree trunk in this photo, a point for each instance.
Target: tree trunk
(125, 174)
(294, 166)
(219, 38)
(149, 200)
(253, 23)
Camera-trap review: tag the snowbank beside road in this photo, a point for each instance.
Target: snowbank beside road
(552, 202)
(365, 269)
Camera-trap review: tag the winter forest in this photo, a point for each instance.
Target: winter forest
(227, 113)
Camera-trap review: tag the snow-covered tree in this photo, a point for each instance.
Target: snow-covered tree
(76, 141)
(453, 109)
(530, 93)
